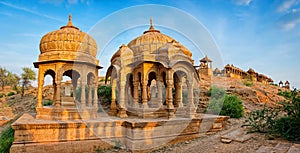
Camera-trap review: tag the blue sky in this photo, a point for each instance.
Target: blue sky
(261, 34)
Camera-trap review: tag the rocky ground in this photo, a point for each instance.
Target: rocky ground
(254, 97)
(211, 142)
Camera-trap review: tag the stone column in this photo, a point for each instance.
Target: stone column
(90, 98)
(74, 83)
(179, 94)
(135, 95)
(54, 90)
(113, 105)
(95, 94)
(169, 95)
(57, 95)
(159, 92)
(40, 90)
(122, 108)
(144, 94)
(82, 97)
(190, 99)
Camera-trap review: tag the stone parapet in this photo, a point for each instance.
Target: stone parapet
(36, 135)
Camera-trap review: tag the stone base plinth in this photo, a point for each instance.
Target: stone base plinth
(153, 113)
(34, 135)
(65, 113)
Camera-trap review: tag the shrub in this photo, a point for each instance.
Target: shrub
(78, 92)
(10, 93)
(105, 93)
(117, 144)
(285, 94)
(215, 106)
(48, 103)
(232, 107)
(2, 95)
(268, 120)
(262, 120)
(6, 140)
(224, 104)
(216, 93)
(292, 108)
(288, 128)
(248, 83)
(274, 84)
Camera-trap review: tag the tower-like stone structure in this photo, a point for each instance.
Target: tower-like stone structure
(205, 67)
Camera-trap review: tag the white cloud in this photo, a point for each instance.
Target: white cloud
(286, 5)
(242, 2)
(72, 1)
(290, 20)
(30, 11)
(68, 2)
(55, 2)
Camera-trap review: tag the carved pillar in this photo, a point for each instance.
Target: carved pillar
(159, 92)
(90, 98)
(179, 94)
(135, 94)
(74, 83)
(144, 94)
(54, 90)
(40, 90)
(169, 95)
(82, 97)
(113, 105)
(57, 94)
(95, 104)
(190, 99)
(122, 108)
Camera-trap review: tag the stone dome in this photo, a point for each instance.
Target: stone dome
(152, 40)
(68, 39)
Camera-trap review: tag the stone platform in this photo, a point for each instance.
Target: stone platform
(46, 136)
(66, 113)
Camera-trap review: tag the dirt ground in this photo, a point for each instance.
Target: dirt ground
(253, 98)
(211, 142)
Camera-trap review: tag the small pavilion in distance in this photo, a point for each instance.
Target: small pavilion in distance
(153, 103)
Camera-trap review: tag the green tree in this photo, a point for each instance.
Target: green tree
(3, 77)
(8, 78)
(13, 81)
(27, 76)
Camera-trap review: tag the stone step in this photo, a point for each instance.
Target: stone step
(238, 135)
(67, 101)
(68, 104)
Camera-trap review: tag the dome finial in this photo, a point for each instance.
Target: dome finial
(70, 20)
(151, 24)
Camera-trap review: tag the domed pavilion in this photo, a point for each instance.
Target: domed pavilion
(149, 75)
(153, 81)
(68, 52)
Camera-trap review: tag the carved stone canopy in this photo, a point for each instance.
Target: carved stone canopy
(68, 43)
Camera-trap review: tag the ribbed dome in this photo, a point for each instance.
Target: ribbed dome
(152, 40)
(68, 39)
(150, 37)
